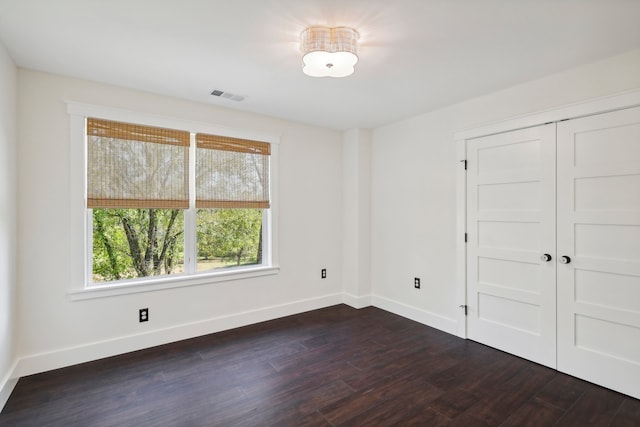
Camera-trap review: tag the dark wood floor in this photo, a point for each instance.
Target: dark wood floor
(331, 367)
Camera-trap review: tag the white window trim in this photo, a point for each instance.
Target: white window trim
(80, 236)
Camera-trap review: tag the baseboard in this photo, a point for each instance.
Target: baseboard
(419, 315)
(356, 301)
(43, 362)
(7, 385)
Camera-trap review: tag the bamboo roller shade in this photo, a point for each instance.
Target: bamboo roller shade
(110, 187)
(136, 166)
(246, 166)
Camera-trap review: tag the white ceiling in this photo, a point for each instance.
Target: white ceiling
(415, 55)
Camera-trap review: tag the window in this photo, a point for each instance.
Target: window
(164, 203)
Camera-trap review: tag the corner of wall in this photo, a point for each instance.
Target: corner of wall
(7, 384)
(8, 215)
(356, 228)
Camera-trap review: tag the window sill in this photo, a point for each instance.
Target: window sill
(133, 287)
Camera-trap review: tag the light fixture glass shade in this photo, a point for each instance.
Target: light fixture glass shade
(329, 52)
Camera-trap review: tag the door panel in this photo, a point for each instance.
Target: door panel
(519, 236)
(518, 275)
(511, 196)
(511, 223)
(602, 194)
(599, 229)
(500, 310)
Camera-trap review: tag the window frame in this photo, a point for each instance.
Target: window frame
(81, 227)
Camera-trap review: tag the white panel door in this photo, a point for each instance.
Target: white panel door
(599, 230)
(511, 294)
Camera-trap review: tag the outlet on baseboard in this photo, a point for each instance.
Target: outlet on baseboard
(144, 315)
(416, 282)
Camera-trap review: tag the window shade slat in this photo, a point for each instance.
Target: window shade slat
(231, 172)
(144, 204)
(133, 132)
(226, 143)
(135, 166)
(232, 204)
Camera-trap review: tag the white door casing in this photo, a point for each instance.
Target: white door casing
(599, 230)
(597, 292)
(511, 295)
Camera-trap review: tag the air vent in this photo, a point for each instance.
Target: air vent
(231, 96)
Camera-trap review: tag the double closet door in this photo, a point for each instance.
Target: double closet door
(553, 253)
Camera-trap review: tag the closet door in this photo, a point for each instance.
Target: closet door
(511, 293)
(599, 232)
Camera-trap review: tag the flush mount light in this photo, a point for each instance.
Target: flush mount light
(329, 52)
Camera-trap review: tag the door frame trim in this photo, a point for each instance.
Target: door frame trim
(620, 101)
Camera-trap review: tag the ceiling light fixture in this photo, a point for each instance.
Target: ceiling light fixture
(329, 52)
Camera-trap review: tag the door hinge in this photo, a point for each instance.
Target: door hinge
(465, 308)
(466, 237)
(465, 164)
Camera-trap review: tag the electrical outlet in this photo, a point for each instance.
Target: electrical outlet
(144, 315)
(416, 282)
(323, 273)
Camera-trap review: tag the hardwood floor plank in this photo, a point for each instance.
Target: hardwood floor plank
(345, 409)
(398, 413)
(292, 405)
(534, 413)
(507, 374)
(596, 407)
(320, 372)
(384, 356)
(453, 403)
(628, 415)
(504, 399)
(406, 365)
(562, 391)
(468, 420)
(466, 375)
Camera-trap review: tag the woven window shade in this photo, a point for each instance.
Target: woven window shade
(134, 166)
(231, 172)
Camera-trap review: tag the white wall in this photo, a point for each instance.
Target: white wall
(7, 222)
(414, 184)
(55, 331)
(412, 216)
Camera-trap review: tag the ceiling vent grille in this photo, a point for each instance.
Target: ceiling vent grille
(227, 95)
